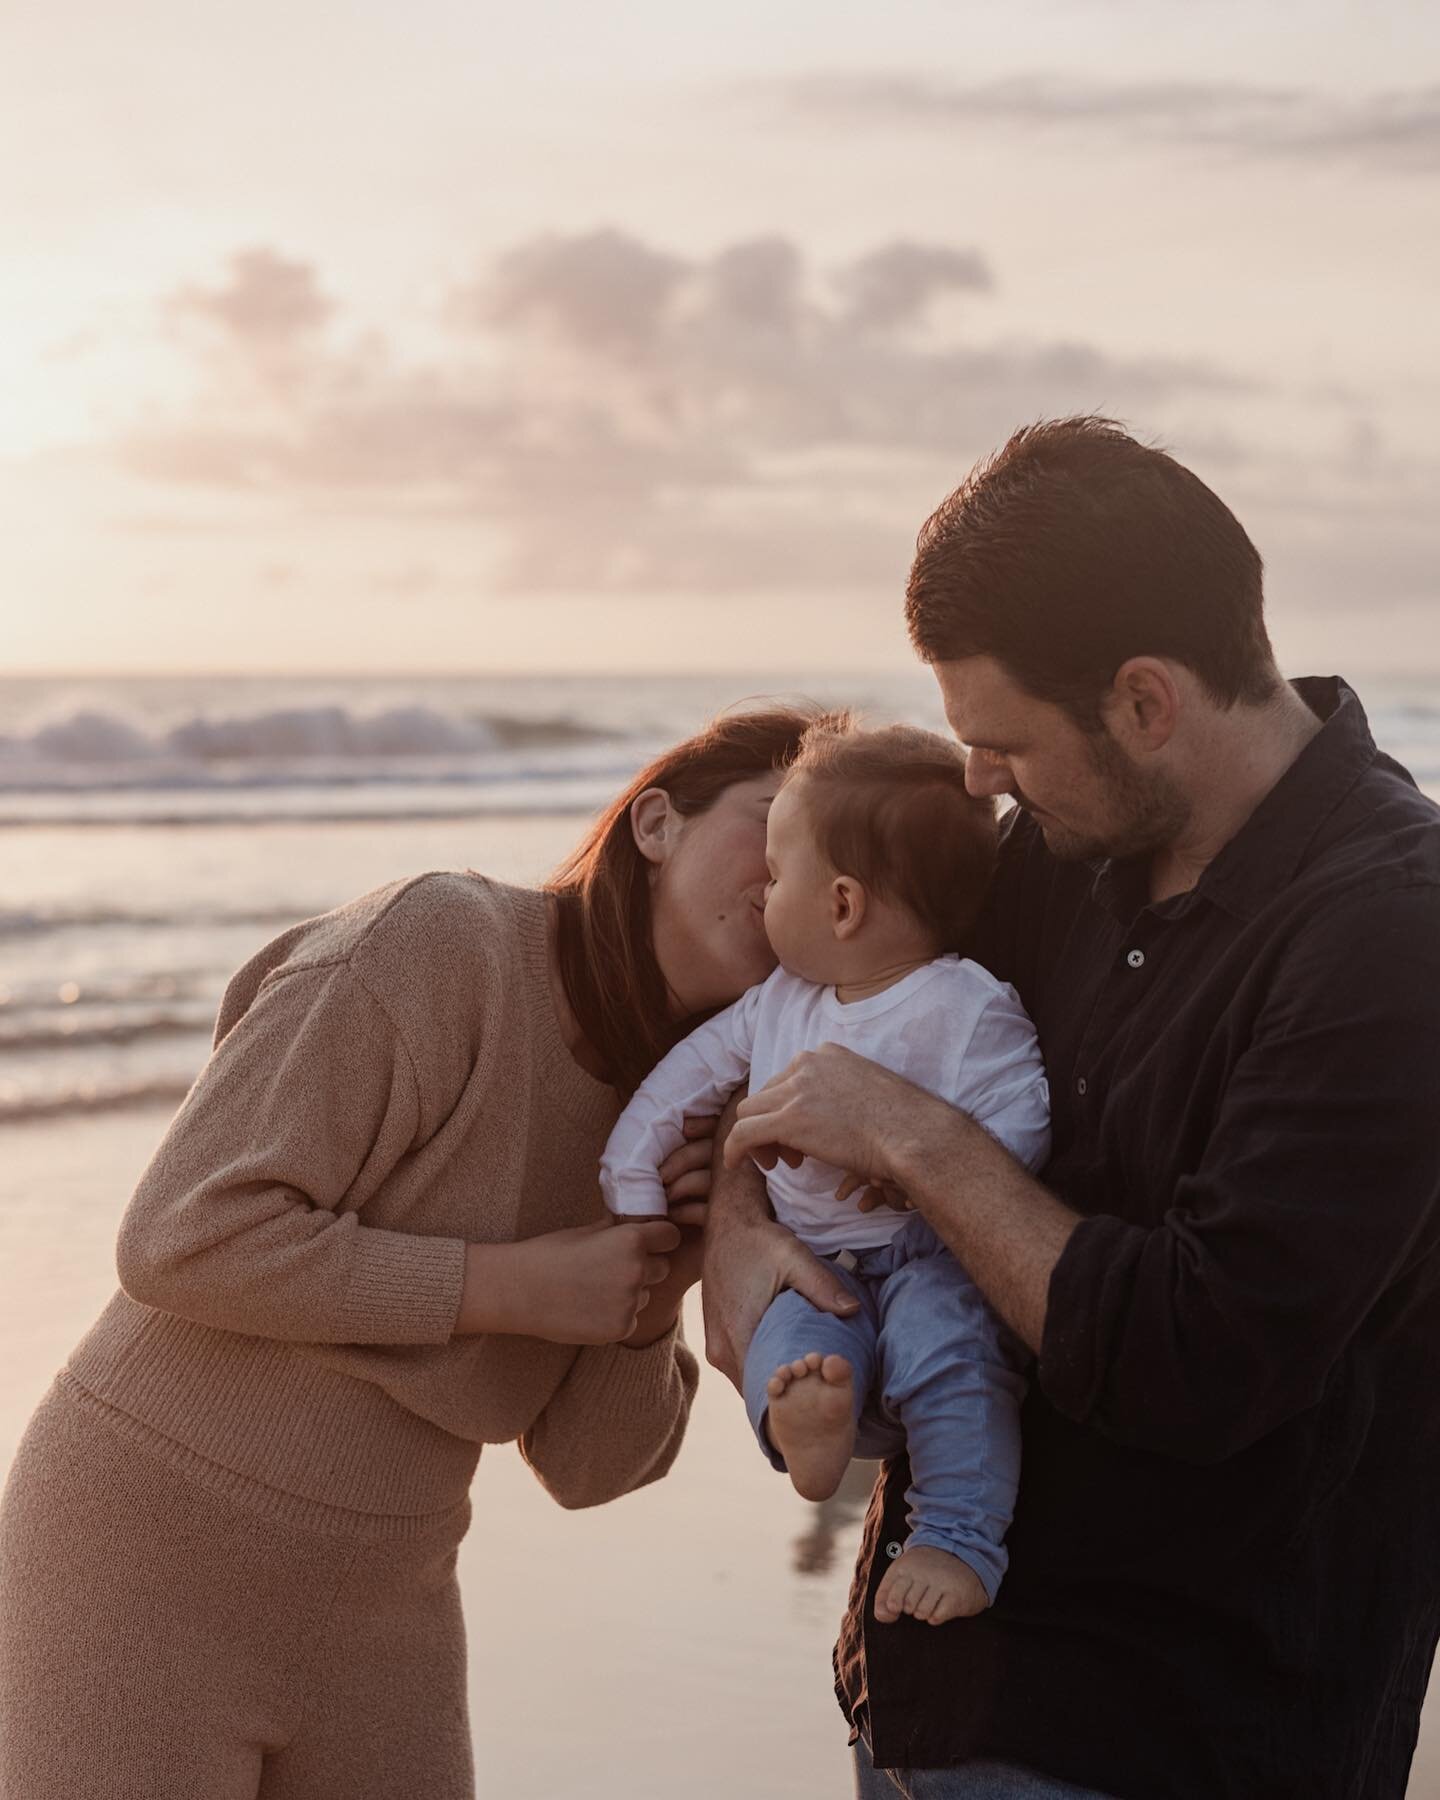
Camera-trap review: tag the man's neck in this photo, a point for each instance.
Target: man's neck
(1250, 755)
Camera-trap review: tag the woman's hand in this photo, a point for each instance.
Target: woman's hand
(587, 1285)
(667, 1296)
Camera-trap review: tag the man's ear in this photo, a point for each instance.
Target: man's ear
(847, 906)
(652, 824)
(1143, 706)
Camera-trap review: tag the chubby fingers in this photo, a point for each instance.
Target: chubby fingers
(685, 1172)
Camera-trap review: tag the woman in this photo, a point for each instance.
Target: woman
(370, 1242)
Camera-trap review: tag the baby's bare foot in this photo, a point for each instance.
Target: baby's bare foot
(812, 1421)
(931, 1585)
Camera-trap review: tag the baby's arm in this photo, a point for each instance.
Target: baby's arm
(697, 1076)
(1001, 1081)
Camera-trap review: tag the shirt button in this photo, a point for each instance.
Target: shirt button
(892, 1549)
(1136, 959)
(1082, 1087)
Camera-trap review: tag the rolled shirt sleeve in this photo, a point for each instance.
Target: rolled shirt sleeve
(1320, 1181)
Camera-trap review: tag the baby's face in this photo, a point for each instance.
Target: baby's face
(799, 916)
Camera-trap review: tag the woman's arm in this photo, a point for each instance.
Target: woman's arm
(616, 1421)
(249, 1215)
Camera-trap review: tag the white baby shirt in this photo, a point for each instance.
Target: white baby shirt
(949, 1027)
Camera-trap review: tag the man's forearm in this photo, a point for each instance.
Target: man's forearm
(1002, 1225)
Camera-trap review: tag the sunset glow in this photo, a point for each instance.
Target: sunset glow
(488, 341)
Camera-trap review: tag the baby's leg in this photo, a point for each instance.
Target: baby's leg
(950, 1372)
(806, 1376)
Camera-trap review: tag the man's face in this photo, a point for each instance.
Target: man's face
(1087, 795)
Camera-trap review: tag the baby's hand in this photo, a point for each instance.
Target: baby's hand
(685, 1172)
(885, 1194)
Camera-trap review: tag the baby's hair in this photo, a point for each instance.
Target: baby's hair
(889, 807)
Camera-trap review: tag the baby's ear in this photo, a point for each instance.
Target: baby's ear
(847, 905)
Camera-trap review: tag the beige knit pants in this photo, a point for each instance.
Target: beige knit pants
(163, 1636)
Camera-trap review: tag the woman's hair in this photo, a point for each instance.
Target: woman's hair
(606, 947)
(890, 807)
(1073, 549)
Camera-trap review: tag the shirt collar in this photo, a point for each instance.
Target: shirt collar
(1266, 851)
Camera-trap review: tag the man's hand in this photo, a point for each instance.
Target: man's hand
(837, 1106)
(748, 1260)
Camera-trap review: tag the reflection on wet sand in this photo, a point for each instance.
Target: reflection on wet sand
(814, 1551)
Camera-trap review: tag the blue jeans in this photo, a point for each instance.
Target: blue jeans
(936, 1374)
(970, 1781)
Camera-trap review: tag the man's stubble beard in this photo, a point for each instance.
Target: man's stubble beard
(1148, 812)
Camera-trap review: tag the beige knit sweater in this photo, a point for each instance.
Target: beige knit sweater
(388, 1082)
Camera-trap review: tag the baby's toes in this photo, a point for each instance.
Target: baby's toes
(961, 1599)
(947, 1606)
(920, 1596)
(936, 1605)
(779, 1381)
(890, 1597)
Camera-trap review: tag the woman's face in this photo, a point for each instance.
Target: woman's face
(708, 892)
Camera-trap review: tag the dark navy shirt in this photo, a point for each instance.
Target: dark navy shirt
(1225, 1560)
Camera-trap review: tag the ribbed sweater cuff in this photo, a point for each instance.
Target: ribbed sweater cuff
(403, 1289)
(638, 1378)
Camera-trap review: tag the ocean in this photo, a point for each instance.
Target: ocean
(154, 834)
(157, 831)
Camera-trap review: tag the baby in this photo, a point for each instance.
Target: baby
(878, 860)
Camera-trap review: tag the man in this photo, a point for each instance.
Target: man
(1221, 906)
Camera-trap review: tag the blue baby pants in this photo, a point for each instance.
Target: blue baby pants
(936, 1373)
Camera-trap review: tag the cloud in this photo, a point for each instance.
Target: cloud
(1395, 130)
(268, 299)
(619, 417)
(890, 286)
(601, 288)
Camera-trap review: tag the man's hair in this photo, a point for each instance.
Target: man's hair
(889, 807)
(1075, 548)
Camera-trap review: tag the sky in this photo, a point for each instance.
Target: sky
(464, 337)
